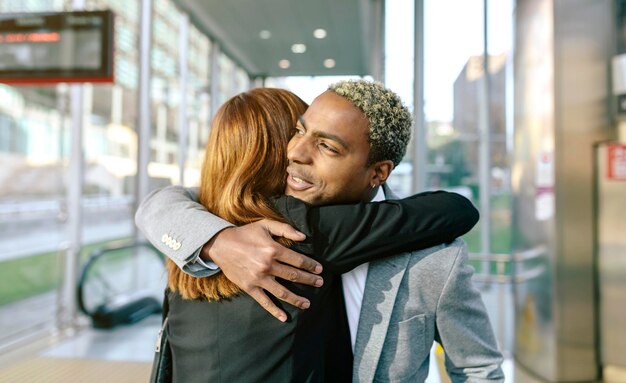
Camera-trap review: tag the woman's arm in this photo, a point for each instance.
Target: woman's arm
(345, 236)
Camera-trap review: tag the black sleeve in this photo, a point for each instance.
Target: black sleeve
(345, 236)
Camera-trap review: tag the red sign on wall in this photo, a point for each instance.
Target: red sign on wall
(616, 162)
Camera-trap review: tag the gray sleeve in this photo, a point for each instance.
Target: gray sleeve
(463, 328)
(176, 224)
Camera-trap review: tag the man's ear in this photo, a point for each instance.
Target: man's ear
(381, 171)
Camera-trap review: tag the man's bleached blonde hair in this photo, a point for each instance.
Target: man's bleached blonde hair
(390, 121)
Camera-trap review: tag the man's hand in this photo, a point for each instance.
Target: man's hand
(250, 258)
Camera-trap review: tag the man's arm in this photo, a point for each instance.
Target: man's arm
(178, 226)
(183, 230)
(463, 328)
(345, 236)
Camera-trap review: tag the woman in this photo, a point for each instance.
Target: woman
(216, 333)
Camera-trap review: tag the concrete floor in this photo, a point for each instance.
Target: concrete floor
(132, 343)
(129, 348)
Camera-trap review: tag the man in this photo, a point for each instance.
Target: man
(344, 148)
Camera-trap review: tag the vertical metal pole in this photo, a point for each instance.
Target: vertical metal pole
(74, 192)
(377, 51)
(484, 162)
(183, 76)
(215, 77)
(506, 313)
(68, 312)
(143, 102)
(62, 90)
(419, 137)
(161, 134)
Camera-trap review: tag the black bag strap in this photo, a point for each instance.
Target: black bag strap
(166, 305)
(162, 368)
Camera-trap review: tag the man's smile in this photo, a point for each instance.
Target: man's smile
(297, 181)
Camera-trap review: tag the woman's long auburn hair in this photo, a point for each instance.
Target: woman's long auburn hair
(244, 164)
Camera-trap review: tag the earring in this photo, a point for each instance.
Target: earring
(373, 186)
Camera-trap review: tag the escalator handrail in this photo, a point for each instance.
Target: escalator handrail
(96, 254)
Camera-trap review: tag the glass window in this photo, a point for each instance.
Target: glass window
(163, 169)
(34, 151)
(399, 77)
(33, 142)
(452, 100)
(458, 106)
(197, 103)
(35, 129)
(226, 78)
(242, 80)
(12, 6)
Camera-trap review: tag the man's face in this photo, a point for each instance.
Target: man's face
(328, 153)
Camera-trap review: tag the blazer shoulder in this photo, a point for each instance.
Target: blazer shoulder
(451, 250)
(437, 261)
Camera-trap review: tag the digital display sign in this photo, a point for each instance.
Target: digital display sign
(56, 47)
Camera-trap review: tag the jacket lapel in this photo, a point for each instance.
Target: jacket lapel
(383, 280)
(381, 288)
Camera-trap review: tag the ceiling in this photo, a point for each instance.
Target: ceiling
(350, 25)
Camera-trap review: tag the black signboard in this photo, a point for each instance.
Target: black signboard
(56, 47)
